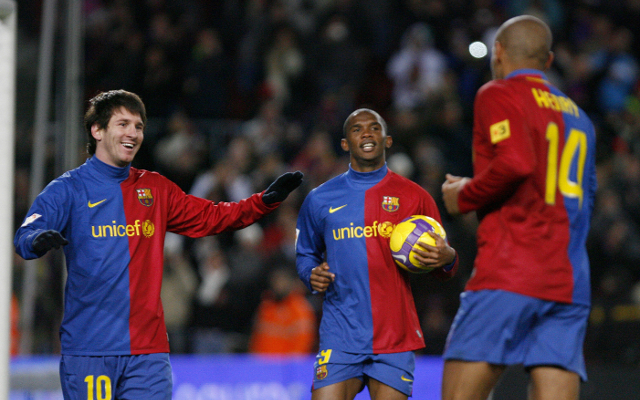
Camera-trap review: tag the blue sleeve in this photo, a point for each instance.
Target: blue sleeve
(310, 244)
(48, 211)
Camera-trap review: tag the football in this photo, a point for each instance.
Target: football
(405, 236)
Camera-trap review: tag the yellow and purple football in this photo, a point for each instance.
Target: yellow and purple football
(407, 234)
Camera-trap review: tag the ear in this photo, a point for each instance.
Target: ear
(96, 132)
(498, 50)
(388, 142)
(547, 65)
(344, 144)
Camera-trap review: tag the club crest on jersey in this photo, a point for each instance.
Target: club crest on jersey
(145, 197)
(390, 203)
(321, 372)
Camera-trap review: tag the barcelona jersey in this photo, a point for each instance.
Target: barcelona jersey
(347, 221)
(533, 188)
(115, 220)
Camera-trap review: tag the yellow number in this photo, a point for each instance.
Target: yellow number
(326, 355)
(552, 163)
(89, 380)
(576, 144)
(102, 380)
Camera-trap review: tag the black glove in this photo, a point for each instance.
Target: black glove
(48, 240)
(281, 187)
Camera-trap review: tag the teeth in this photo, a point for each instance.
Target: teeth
(128, 145)
(368, 145)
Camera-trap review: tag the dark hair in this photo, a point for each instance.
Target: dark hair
(358, 111)
(102, 107)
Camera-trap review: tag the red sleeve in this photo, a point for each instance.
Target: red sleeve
(503, 151)
(196, 217)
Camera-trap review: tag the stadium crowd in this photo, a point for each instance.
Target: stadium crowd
(238, 92)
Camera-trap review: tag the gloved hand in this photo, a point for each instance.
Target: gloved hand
(282, 186)
(48, 240)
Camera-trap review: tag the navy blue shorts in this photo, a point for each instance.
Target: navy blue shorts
(146, 376)
(507, 328)
(394, 369)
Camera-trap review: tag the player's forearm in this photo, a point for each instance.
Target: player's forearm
(492, 185)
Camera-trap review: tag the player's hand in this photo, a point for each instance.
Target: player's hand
(321, 278)
(281, 187)
(48, 240)
(434, 256)
(451, 190)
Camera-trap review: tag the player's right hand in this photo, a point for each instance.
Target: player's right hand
(451, 190)
(321, 278)
(48, 240)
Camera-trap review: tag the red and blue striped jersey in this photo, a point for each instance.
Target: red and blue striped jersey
(115, 220)
(533, 187)
(347, 221)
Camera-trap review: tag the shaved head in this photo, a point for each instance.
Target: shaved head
(526, 39)
(522, 42)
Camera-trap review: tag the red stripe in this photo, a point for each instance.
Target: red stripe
(147, 330)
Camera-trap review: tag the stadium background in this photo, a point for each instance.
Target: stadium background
(239, 91)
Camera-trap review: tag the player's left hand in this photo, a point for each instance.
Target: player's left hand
(434, 256)
(281, 187)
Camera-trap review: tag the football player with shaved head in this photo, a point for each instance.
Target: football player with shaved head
(111, 219)
(369, 328)
(528, 299)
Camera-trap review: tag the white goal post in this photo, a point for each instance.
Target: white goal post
(8, 38)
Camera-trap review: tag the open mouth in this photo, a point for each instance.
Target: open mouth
(129, 146)
(368, 146)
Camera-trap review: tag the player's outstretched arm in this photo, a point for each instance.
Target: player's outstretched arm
(281, 187)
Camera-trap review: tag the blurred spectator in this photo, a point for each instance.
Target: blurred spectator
(179, 283)
(278, 243)
(340, 61)
(14, 314)
(228, 179)
(267, 130)
(212, 323)
(417, 69)
(207, 77)
(317, 158)
(285, 322)
(620, 69)
(284, 64)
(183, 152)
(159, 82)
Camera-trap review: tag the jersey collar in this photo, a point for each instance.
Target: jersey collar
(111, 172)
(367, 177)
(527, 71)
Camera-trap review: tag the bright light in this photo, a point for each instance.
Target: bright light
(478, 49)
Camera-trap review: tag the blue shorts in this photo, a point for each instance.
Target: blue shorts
(508, 328)
(394, 369)
(146, 376)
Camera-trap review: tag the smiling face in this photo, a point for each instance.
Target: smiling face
(119, 142)
(366, 139)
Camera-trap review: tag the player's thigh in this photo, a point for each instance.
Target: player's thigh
(381, 391)
(345, 390)
(394, 370)
(557, 338)
(553, 383)
(469, 380)
(146, 376)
